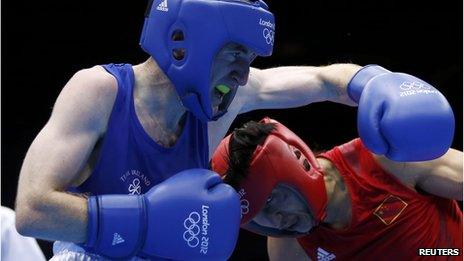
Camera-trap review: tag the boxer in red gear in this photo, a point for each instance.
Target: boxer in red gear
(372, 208)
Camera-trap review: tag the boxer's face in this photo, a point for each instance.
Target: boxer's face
(285, 210)
(231, 67)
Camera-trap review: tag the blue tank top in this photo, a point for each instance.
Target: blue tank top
(130, 161)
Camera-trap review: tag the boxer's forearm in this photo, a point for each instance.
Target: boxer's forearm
(335, 78)
(53, 216)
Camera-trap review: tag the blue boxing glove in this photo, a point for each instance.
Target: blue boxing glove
(192, 215)
(401, 116)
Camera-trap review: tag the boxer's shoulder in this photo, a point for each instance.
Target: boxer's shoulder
(95, 79)
(401, 170)
(89, 97)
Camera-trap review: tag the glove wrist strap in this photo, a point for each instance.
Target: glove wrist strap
(116, 225)
(361, 78)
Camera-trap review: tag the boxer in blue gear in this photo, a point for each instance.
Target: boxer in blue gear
(118, 132)
(199, 42)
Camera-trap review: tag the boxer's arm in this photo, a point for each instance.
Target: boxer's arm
(285, 249)
(441, 177)
(287, 87)
(57, 156)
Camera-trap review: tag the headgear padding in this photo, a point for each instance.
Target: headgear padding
(198, 29)
(282, 159)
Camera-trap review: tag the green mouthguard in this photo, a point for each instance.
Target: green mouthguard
(223, 88)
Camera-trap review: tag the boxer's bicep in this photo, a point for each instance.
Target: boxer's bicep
(283, 87)
(295, 86)
(56, 156)
(284, 249)
(78, 119)
(58, 153)
(441, 177)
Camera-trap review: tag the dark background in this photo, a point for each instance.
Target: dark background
(45, 43)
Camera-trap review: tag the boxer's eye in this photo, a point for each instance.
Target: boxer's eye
(269, 199)
(276, 198)
(272, 201)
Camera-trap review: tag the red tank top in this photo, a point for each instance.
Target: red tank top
(389, 220)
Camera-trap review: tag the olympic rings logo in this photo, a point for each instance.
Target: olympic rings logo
(406, 86)
(192, 229)
(244, 207)
(268, 36)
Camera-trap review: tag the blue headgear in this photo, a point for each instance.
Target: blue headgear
(197, 30)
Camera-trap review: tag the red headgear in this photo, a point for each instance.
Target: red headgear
(282, 159)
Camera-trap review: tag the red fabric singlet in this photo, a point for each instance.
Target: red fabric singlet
(390, 221)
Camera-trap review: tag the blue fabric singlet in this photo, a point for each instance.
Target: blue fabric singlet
(130, 161)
